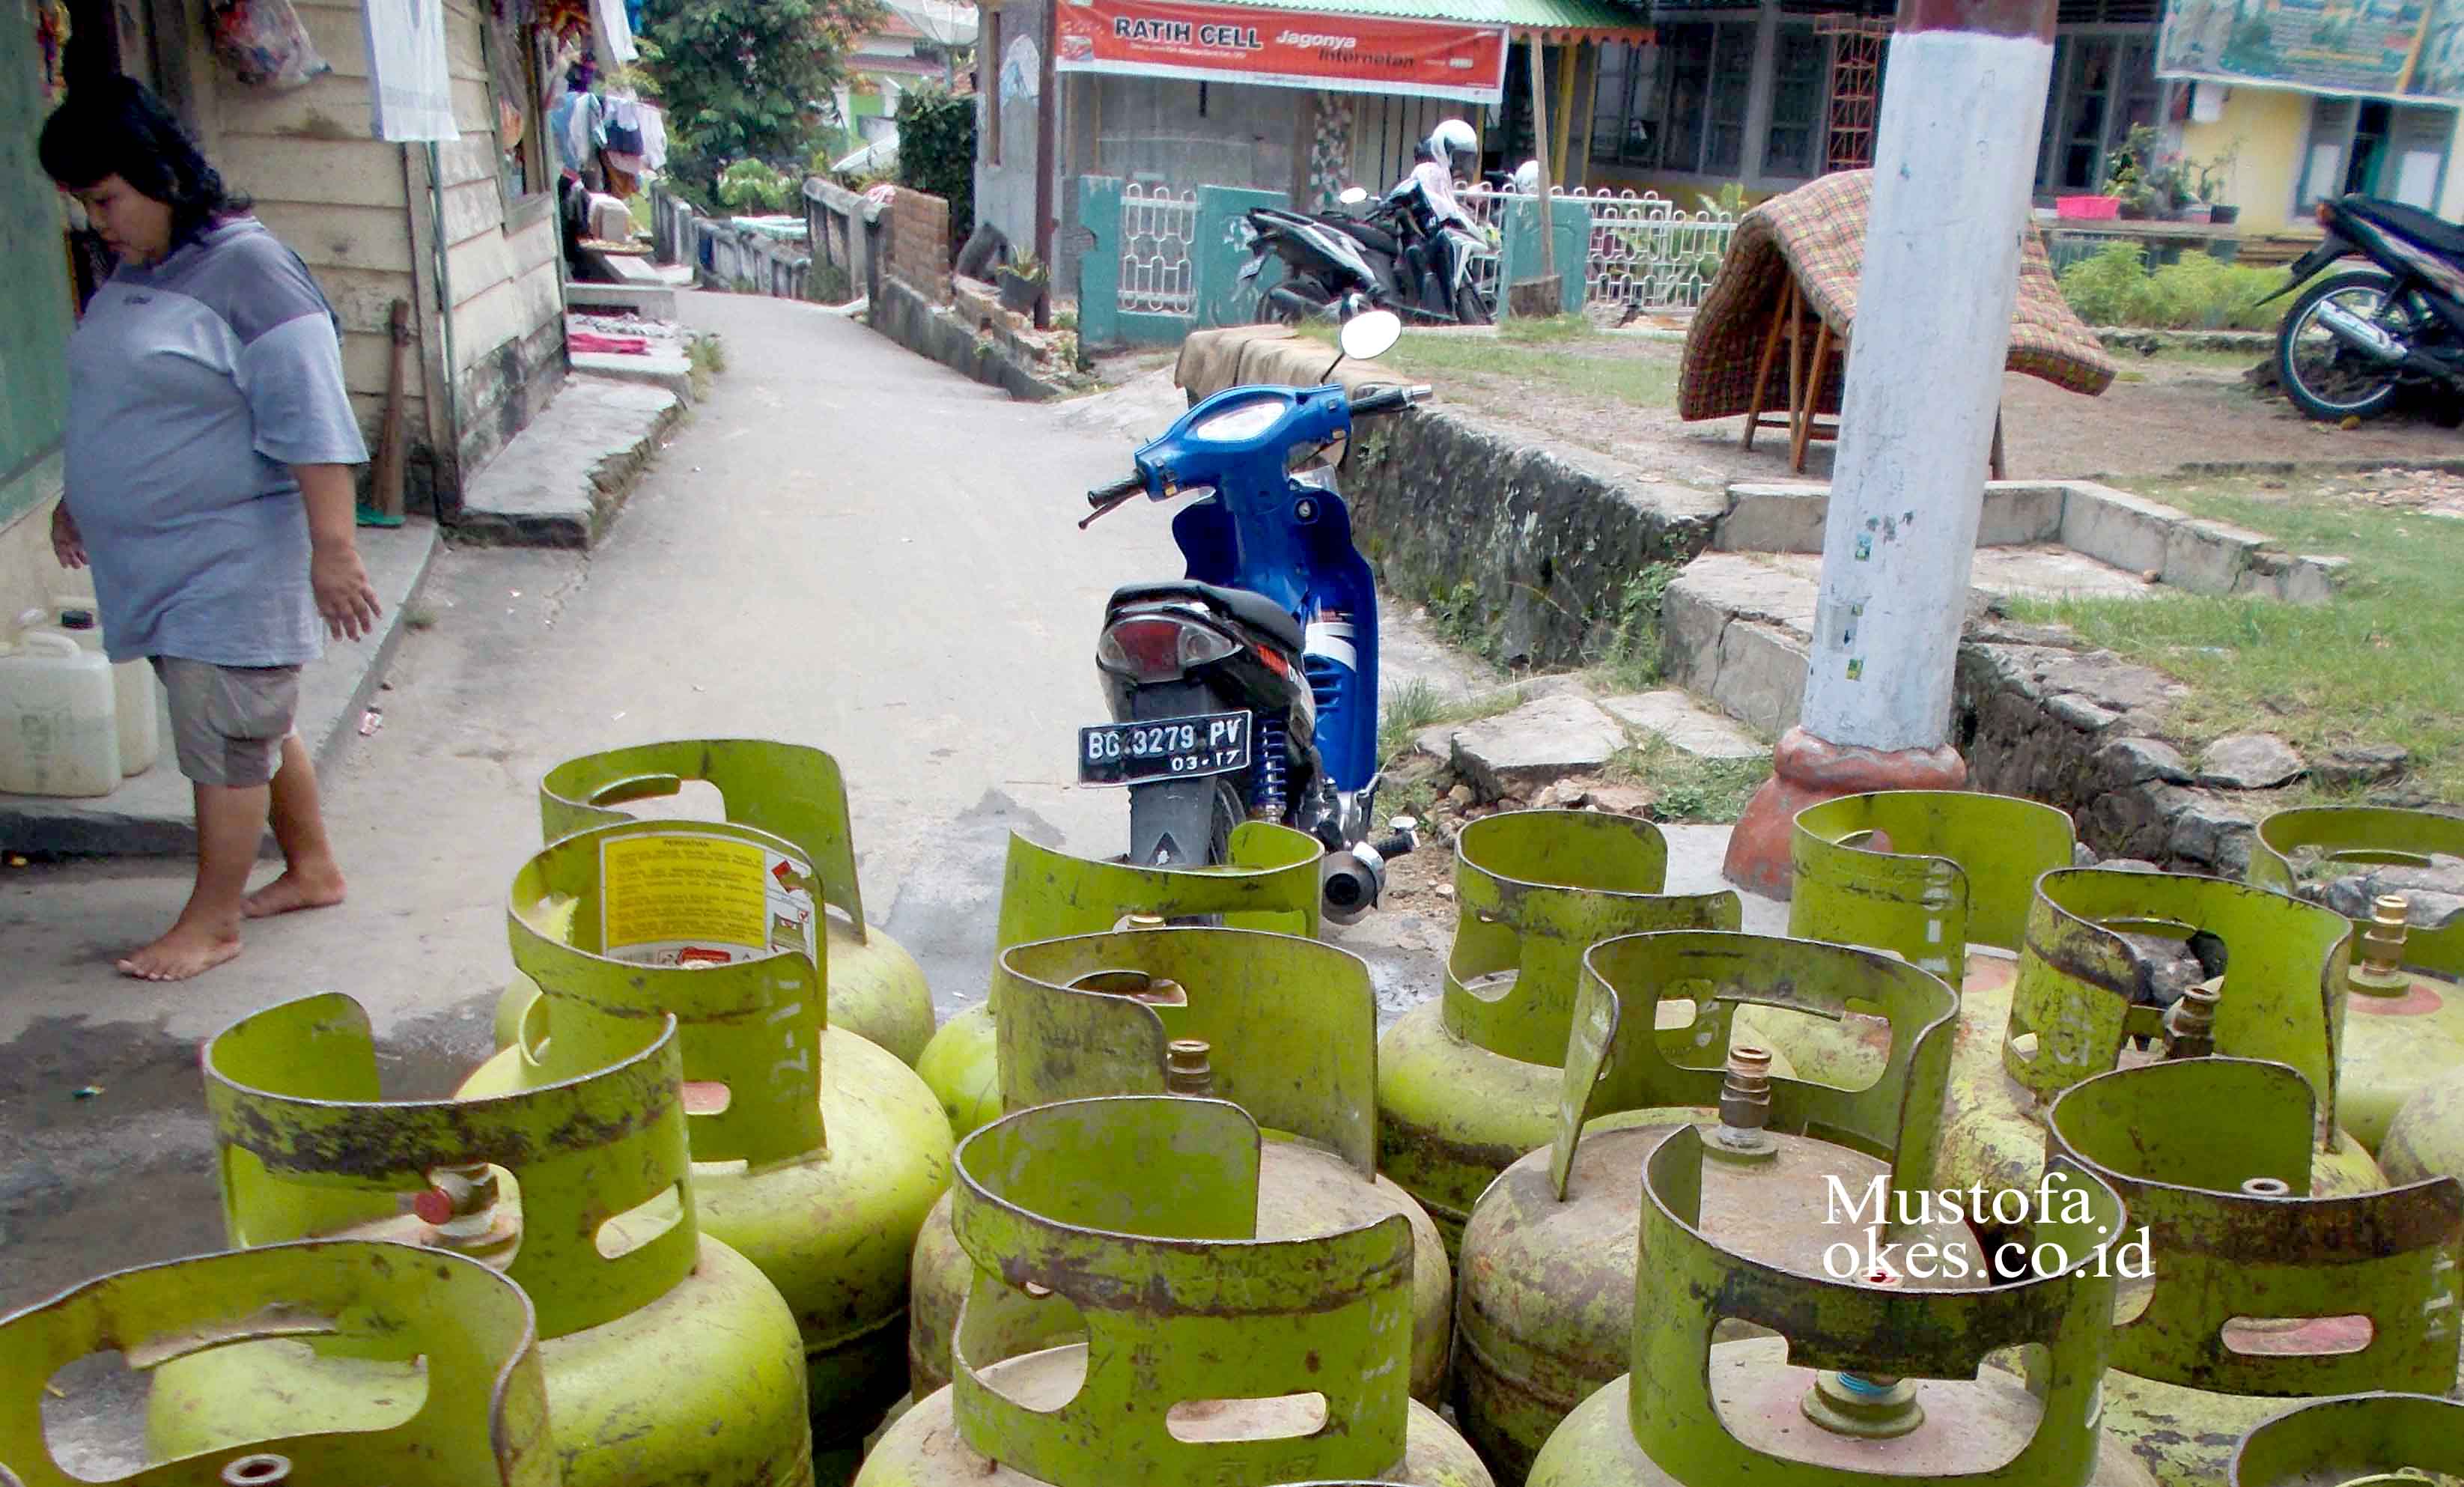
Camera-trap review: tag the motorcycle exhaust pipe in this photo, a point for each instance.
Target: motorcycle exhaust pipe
(2361, 335)
(1350, 883)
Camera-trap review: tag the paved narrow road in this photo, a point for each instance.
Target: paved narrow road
(847, 545)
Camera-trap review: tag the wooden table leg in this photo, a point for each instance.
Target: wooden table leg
(1993, 461)
(1762, 372)
(1812, 398)
(1796, 312)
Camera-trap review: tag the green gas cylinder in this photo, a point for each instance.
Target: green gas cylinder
(2260, 1293)
(1269, 881)
(2404, 1021)
(1172, 1342)
(1926, 874)
(1468, 1083)
(2361, 1440)
(1544, 1315)
(480, 1421)
(816, 1153)
(877, 991)
(1866, 1386)
(669, 1359)
(2074, 1010)
(1288, 1028)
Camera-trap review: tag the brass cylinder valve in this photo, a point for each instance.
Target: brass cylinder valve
(1875, 1406)
(2377, 966)
(1745, 1106)
(2190, 1026)
(1187, 1067)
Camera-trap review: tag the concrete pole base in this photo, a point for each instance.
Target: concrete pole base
(1807, 771)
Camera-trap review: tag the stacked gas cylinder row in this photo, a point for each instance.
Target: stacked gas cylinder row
(1172, 1259)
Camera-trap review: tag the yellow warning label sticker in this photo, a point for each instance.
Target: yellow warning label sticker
(666, 888)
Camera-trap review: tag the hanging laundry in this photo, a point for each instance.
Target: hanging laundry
(612, 33)
(411, 92)
(654, 138)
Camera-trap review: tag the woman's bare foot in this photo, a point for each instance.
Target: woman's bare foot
(179, 954)
(297, 888)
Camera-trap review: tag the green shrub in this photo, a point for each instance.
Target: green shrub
(936, 152)
(751, 187)
(2200, 292)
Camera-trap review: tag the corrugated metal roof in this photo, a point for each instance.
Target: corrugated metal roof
(1586, 17)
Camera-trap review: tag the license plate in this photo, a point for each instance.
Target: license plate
(1182, 748)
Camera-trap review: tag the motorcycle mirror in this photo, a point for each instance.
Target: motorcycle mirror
(1354, 196)
(1370, 334)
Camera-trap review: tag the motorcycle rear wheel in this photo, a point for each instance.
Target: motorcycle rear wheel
(1184, 822)
(1272, 310)
(2325, 379)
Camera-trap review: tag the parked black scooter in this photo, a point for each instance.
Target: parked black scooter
(1390, 256)
(2358, 337)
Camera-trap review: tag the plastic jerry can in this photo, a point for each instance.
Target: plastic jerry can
(56, 736)
(134, 711)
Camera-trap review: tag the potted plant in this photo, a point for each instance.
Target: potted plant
(2211, 176)
(1022, 282)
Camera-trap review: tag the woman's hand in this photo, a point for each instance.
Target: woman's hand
(344, 596)
(68, 544)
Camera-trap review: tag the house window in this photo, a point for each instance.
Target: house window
(1681, 105)
(1798, 84)
(2375, 147)
(526, 158)
(2103, 83)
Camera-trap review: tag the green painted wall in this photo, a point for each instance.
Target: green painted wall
(35, 316)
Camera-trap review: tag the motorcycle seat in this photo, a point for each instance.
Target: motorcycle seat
(2437, 234)
(1255, 610)
(1368, 234)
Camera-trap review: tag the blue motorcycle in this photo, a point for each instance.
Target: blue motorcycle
(1248, 691)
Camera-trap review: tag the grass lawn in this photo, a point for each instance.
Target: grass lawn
(2384, 664)
(1562, 351)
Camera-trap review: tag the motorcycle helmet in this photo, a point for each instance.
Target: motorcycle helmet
(1453, 145)
(1527, 178)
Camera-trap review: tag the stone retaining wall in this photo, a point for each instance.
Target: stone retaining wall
(1535, 543)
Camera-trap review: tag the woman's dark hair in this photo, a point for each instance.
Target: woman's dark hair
(116, 127)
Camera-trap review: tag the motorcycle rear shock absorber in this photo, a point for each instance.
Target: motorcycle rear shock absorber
(1267, 786)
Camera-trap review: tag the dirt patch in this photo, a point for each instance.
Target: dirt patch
(2165, 413)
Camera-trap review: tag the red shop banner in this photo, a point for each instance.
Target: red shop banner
(1289, 49)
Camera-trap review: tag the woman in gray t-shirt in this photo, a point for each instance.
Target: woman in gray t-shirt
(208, 484)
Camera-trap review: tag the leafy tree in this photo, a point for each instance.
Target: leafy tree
(748, 78)
(937, 151)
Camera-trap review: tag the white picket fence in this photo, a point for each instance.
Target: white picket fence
(1646, 253)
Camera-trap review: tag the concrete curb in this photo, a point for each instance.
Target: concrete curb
(561, 480)
(152, 815)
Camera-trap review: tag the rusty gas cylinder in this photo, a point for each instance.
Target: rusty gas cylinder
(1866, 1383)
(2253, 1292)
(1468, 1083)
(2404, 1018)
(1168, 1337)
(791, 790)
(480, 1415)
(2360, 1440)
(1545, 1312)
(669, 1359)
(1269, 881)
(1289, 1028)
(2076, 1009)
(1929, 875)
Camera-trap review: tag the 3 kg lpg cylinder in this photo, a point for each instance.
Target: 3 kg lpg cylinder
(480, 1420)
(1546, 1315)
(2361, 1440)
(2078, 1009)
(877, 991)
(1287, 1028)
(1468, 1083)
(1866, 1385)
(670, 1361)
(2259, 1291)
(1175, 1344)
(816, 1154)
(1268, 881)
